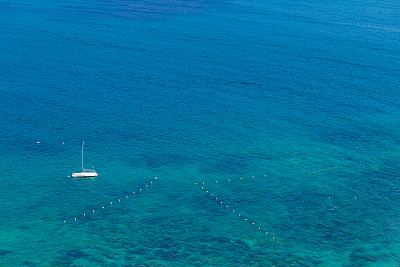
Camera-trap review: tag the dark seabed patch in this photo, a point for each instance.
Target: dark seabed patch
(167, 254)
(363, 258)
(158, 159)
(339, 137)
(68, 257)
(231, 164)
(4, 252)
(31, 263)
(156, 220)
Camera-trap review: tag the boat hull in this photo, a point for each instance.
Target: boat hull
(85, 174)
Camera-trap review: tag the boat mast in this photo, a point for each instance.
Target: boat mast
(83, 142)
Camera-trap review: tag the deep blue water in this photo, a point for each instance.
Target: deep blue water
(287, 111)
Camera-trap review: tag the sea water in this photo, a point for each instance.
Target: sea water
(287, 112)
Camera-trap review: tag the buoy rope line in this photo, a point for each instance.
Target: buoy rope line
(92, 212)
(309, 173)
(234, 211)
(323, 170)
(222, 181)
(360, 160)
(376, 157)
(224, 203)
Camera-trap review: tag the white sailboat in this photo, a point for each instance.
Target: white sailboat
(85, 172)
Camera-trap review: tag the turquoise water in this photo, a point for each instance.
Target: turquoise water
(287, 111)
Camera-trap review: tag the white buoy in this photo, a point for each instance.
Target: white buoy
(64, 221)
(75, 219)
(84, 214)
(38, 142)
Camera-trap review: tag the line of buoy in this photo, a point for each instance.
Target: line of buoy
(323, 170)
(228, 180)
(357, 159)
(111, 203)
(309, 173)
(233, 211)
